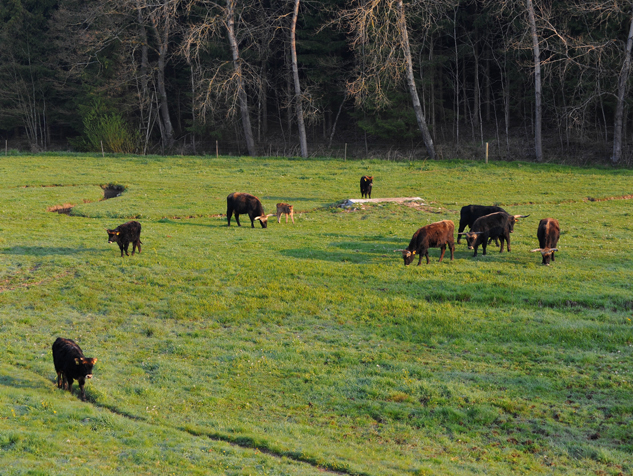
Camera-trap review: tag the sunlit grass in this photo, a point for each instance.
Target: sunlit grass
(307, 346)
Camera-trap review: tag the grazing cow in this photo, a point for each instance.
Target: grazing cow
(366, 184)
(548, 234)
(435, 235)
(285, 209)
(496, 225)
(70, 364)
(240, 203)
(470, 213)
(124, 234)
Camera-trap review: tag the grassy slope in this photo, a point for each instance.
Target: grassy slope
(313, 341)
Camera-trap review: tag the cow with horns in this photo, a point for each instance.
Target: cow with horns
(469, 214)
(244, 203)
(496, 225)
(548, 234)
(435, 235)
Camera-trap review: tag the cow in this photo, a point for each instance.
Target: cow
(548, 234)
(496, 225)
(240, 203)
(124, 234)
(435, 235)
(470, 213)
(70, 365)
(366, 184)
(285, 209)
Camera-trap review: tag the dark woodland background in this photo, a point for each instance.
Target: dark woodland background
(180, 76)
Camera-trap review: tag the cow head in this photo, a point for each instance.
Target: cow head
(264, 219)
(546, 252)
(85, 365)
(407, 256)
(113, 235)
(515, 219)
(473, 238)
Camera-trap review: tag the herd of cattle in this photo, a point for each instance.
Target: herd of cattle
(486, 223)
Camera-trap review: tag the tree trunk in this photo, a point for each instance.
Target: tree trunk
(538, 142)
(619, 110)
(237, 65)
(295, 74)
(163, 46)
(417, 107)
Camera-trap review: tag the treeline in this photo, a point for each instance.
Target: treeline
(537, 79)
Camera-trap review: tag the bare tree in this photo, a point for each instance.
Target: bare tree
(378, 30)
(622, 87)
(214, 80)
(295, 74)
(538, 96)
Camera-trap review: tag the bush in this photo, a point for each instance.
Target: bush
(107, 128)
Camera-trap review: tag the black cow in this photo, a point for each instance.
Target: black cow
(366, 184)
(496, 225)
(124, 234)
(469, 214)
(548, 235)
(70, 364)
(240, 203)
(435, 235)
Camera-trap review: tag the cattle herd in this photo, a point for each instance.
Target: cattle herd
(486, 223)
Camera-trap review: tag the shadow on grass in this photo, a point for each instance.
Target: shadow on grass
(16, 382)
(334, 256)
(47, 250)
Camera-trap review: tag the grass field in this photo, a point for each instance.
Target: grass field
(295, 350)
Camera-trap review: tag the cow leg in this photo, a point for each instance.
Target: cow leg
(138, 244)
(443, 248)
(292, 217)
(427, 256)
(229, 212)
(279, 218)
(287, 217)
(70, 385)
(60, 379)
(452, 248)
(127, 246)
(237, 219)
(553, 256)
(82, 381)
(483, 246)
(508, 243)
(121, 248)
(459, 230)
(252, 220)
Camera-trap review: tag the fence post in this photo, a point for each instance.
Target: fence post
(486, 152)
(102, 152)
(345, 152)
(217, 150)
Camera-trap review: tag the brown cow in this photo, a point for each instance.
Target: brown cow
(435, 235)
(284, 208)
(548, 235)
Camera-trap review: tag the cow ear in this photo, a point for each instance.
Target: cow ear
(94, 361)
(76, 361)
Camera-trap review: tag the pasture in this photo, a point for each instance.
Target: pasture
(310, 349)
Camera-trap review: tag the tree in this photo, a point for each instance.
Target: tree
(621, 93)
(295, 75)
(538, 97)
(380, 38)
(27, 76)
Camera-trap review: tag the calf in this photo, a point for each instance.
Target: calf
(124, 234)
(284, 208)
(548, 235)
(70, 364)
(366, 184)
(469, 214)
(240, 203)
(496, 225)
(435, 235)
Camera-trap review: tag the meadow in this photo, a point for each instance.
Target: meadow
(310, 348)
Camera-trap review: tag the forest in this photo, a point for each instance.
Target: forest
(542, 80)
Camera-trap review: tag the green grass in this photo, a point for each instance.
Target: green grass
(299, 348)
